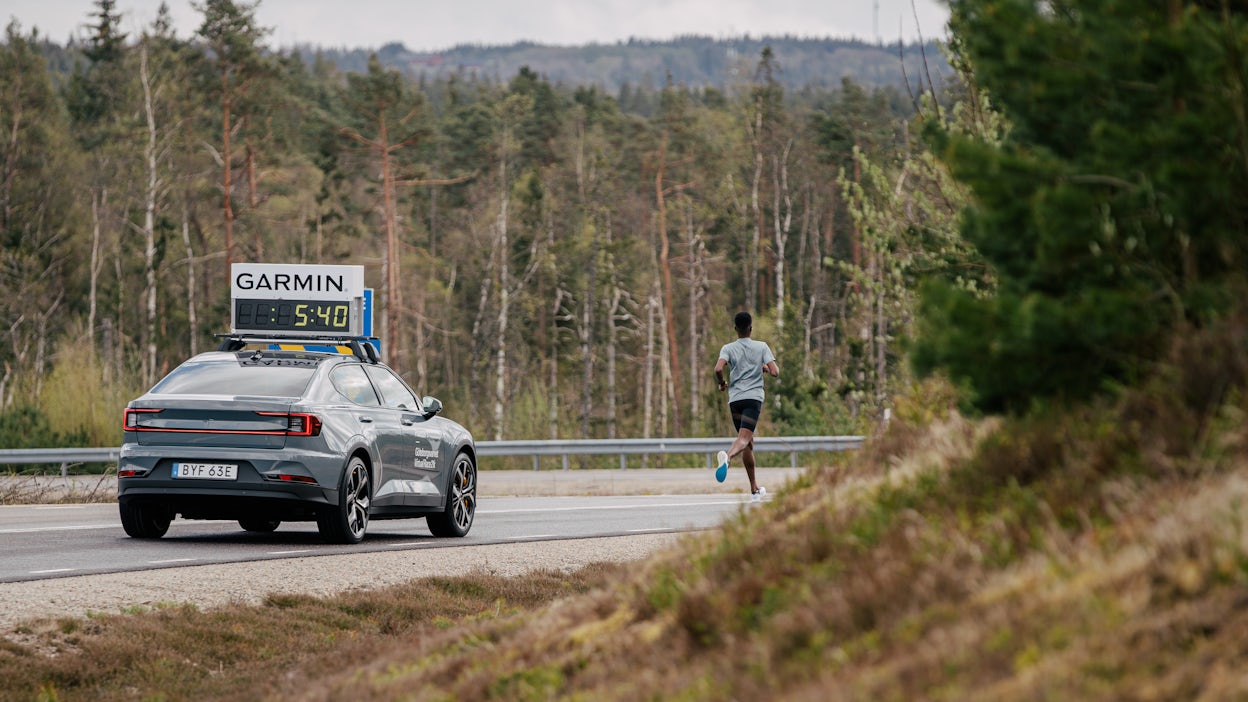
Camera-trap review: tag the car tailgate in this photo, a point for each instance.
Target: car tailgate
(239, 422)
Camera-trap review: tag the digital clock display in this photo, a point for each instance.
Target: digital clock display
(298, 316)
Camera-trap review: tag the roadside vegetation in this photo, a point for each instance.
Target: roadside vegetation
(1089, 554)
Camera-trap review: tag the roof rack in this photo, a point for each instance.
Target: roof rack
(361, 346)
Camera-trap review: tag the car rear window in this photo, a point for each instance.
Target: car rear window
(266, 378)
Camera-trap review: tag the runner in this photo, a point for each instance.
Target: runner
(749, 359)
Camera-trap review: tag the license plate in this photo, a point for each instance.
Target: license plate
(206, 471)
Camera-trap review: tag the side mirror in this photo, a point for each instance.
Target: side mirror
(432, 405)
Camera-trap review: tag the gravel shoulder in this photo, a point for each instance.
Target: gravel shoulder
(210, 586)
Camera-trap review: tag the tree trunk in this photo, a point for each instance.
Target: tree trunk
(552, 388)
(612, 340)
(227, 167)
(751, 259)
(647, 424)
(697, 293)
(253, 185)
(149, 221)
(191, 316)
(99, 202)
(587, 337)
(782, 225)
(422, 357)
(390, 262)
(504, 298)
(669, 311)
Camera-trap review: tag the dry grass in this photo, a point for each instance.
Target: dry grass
(1091, 553)
(37, 487)
(248, 653)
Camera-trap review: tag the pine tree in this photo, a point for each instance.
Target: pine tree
(233, 39)
(1113, 211)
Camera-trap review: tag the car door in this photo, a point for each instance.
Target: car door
(423, 443)
(384, 427)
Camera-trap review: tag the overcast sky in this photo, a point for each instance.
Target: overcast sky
(423, 25)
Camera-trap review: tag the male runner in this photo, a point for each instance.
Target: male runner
(749, 360)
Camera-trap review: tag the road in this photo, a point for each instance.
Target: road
(55, 541)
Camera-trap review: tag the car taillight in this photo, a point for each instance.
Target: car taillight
(130, 417)
(298, 424)
(289, 478)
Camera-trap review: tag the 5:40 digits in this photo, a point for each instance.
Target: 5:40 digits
(323, 317)
(293, 315)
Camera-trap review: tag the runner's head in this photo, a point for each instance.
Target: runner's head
(743, 322)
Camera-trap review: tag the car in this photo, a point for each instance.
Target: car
(262, 434)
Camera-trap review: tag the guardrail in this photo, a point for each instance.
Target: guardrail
(791, 445)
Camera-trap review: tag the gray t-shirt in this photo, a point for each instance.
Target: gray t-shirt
(747, 358)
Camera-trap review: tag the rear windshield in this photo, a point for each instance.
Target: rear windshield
(268, 378)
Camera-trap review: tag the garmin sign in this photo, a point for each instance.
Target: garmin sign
(280, 281)
(291, 300)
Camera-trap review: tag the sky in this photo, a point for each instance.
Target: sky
(425, 26)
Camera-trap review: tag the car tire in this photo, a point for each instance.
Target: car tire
(259, 526)
(461, 500)
(347, 523)
(144, 521)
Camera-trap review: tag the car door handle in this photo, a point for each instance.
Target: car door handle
(365, 418)
(408, 422)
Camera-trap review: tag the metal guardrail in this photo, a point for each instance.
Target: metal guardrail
(60, 455)
(792, 445)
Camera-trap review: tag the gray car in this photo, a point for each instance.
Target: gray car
(265, 436)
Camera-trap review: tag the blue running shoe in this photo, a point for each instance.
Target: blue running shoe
(721, 473)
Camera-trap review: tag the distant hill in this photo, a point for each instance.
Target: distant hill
(694, 61)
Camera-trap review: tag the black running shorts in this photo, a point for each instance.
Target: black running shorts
(745, 413)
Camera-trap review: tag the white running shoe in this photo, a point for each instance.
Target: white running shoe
(758, 496)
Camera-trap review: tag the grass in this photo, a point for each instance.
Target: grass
(25, 487)
(182, 652)
(1097, 552)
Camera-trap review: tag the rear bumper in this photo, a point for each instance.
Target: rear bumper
(256, 492)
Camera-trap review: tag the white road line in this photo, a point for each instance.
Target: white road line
(646, 531)
(48, 507)
(413, 543)
(53, 570)
(536, 536)
(287, 553)
(172, 560)
(605, 507)
(73, 527)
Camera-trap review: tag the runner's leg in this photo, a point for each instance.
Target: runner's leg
(747, 457)
(744, 440)
(745, 418)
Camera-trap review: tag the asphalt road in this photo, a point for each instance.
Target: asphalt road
(54, 541)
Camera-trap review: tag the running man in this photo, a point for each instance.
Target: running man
(749, 360)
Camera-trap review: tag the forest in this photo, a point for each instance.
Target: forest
(548, 263)
(808, 64)
(562, 261)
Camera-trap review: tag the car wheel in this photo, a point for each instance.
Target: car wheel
(347, 523)
(144, 521)
(461, 501)
(260, 526)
